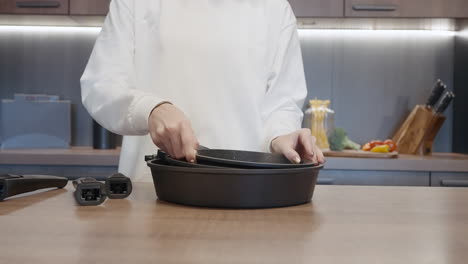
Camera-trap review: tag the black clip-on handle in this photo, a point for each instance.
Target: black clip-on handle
(90, 191)
(118, 186)
(11, 185)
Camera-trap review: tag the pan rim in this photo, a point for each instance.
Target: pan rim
(234, 171)
(250, 164)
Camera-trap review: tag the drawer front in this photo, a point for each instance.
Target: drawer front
(318, 8)
(377, 178)
(449, 179)
(407, 8)
(372, 8)
(89, 7)
(56, 7)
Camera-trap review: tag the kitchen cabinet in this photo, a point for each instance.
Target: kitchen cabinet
(41, 7)
(381, 178)
(89, 7)
(449, 179)
(318, 8)
(407, 8)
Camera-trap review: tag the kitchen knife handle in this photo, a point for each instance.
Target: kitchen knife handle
(437, 91)
(454, 183)
(118, 186)
(38, 4)
(378, 8)
(445, 102)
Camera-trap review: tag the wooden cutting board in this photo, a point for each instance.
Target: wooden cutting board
(360, 154)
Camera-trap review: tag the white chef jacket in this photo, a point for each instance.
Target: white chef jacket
(234, 67)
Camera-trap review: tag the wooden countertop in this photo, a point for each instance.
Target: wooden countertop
(86, 156)
(343, 224)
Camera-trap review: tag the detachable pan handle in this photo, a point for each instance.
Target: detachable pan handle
(162, 154)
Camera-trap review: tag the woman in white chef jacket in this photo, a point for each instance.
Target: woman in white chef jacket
(171, 74)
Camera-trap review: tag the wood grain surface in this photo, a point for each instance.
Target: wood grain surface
(343, 224)
(360, 154)
(411, 134)
(89, 7)
(317, 8)
(411, 8)
(10, 7)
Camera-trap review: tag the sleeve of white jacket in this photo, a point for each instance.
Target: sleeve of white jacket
(108, 85)
(287, 90)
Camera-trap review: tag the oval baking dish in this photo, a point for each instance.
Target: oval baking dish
(233, 188)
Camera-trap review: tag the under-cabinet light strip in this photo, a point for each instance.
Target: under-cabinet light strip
(358, 33)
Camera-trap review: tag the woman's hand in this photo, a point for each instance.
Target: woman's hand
(172, 132)
(298, 146)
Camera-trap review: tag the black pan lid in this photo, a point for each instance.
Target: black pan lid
(246, 159)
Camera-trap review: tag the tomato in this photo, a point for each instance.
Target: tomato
(367, 147)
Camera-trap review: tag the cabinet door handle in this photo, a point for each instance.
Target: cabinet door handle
(382, 8)
(38, 4)
(326, 181)
(454, 183)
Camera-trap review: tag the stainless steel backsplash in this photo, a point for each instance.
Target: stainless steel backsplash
(373, 78)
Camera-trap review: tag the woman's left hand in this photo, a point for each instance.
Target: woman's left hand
(298, 146)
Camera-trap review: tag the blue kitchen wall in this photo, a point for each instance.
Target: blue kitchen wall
(373, 78)
(48, 60)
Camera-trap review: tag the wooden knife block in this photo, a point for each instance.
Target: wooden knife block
(417, 134)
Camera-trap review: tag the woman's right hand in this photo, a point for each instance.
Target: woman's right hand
(172, 132)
